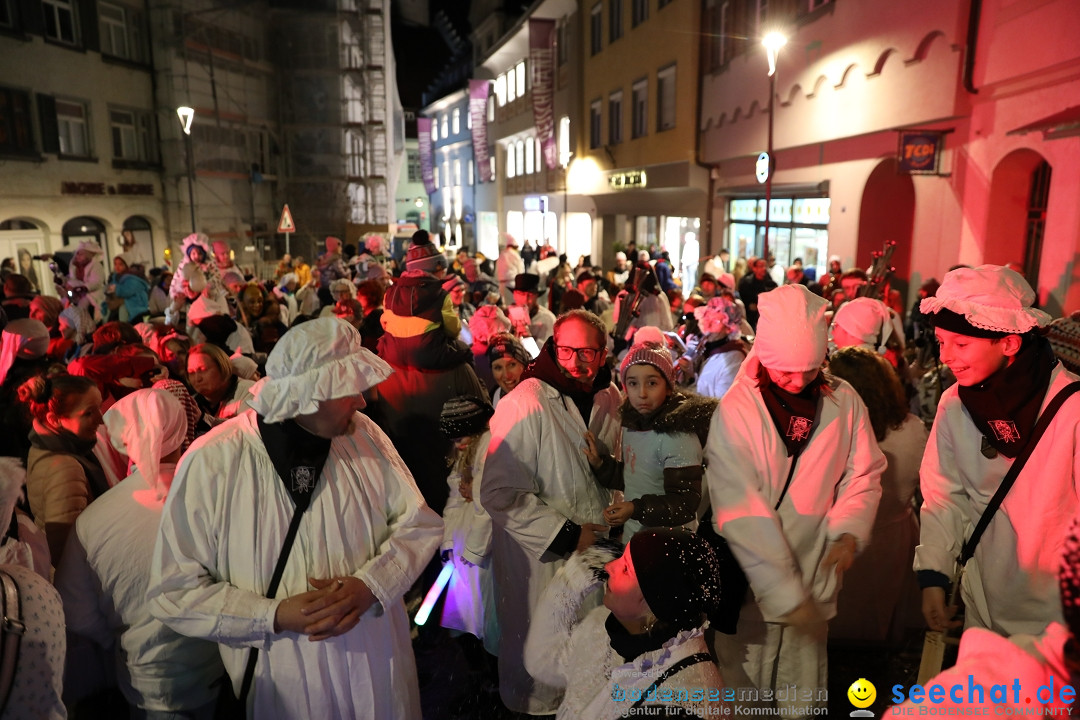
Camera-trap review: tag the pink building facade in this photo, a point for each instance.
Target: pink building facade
(998, 79)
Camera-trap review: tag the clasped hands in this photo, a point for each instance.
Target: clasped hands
(333, 608)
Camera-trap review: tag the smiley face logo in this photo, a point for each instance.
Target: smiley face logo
(862, 693)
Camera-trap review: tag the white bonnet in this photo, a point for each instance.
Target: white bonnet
(145, 426)
(989, 298)
(791, 332)
(867, 319)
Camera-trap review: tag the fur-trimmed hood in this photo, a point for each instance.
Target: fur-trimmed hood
(683, 412)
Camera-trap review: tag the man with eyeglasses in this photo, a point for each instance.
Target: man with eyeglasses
(539, 489)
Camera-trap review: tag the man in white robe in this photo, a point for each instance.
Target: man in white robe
(335, 641)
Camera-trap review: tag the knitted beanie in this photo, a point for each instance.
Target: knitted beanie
(649, 353)
(464, 416)
(506, 345)
(423, 255)
(1064, 337)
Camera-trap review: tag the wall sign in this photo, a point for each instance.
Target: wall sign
(920, 152)
(85, 188)
(632, 179)
(761, 167)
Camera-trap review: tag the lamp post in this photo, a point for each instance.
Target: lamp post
(186, 115)
(772, 43)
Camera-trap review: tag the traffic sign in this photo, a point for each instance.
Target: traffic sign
(286, 224)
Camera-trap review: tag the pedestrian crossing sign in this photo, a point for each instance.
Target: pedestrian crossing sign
(286, 224)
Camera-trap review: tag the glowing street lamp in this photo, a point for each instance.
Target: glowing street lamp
(186, 115)
(772, 42)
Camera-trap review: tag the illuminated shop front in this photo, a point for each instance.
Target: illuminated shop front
(798, 228)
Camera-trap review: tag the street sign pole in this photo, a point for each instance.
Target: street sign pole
(287, 251)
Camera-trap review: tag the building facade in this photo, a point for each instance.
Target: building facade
(78, 132)
(453, 204)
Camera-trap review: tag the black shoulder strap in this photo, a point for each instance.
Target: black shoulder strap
(680, 665)
(1010, 477)
(11, 632)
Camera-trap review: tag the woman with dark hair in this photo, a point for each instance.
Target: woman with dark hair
(880, 597)
(62, 474)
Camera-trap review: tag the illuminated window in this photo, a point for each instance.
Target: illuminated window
(511, 85)
(456, 121)
(615, 118)
(665, 98)
(521, 78)
(511, 165)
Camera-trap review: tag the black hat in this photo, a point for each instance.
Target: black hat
(678, 574)
(585, 275)
(527, 282)
(465, 415)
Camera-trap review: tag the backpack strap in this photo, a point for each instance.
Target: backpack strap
(11, 632)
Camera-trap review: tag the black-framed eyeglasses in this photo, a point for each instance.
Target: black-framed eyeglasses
(585, 354)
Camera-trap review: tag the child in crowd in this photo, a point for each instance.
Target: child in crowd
(720, 351)
(663, 431)
(1006, 375)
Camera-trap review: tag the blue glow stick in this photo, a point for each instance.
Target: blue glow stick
(433, 594)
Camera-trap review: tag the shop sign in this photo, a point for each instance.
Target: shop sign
(536, 203)
(761, 167)
(631, 179)
(542, 65)
(478, 100)
(85, 188)
(920, 151)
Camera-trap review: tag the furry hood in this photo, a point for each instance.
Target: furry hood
(682, 413)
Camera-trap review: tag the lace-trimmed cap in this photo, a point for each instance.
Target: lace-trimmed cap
(318, 360)
(989, 298)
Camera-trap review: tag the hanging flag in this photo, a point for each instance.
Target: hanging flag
(478, 100)
(427, 168)
(542, 68)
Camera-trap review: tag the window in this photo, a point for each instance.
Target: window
(665, 98)
(457, 172)
(446, 174)
(455, 122)
(594, 124)
(445, 132)
(614, 109)
(7, 14)
(468, 120)
(564, 141)
(472, 176)
(415, 174)
(491, 164)
(436, 176)
(719, 14)
(539, 156)
(500, 91)
(121, 32)
(639, 123)
(639, 12)
(491, 109)
(511, 85)
(434, 129)
(132, 135)
(521, 76)
(71, 123)
(511, 165)
(519, 153)
(60, 20)
(662, 3)
(615, 20)
(15, 133)
(596, 36)
(530, 160)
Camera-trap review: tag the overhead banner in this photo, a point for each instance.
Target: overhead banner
(478, 100)
(542, 67)
(427, 167)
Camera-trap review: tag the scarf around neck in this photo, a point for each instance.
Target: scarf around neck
(1005, 406)
(68, 443)
(793, 414)
(546, 368)
(297, 455)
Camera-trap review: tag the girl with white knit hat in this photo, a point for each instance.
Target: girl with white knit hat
(659, 469)
(793, 471)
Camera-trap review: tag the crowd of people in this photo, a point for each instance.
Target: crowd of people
(642, 488)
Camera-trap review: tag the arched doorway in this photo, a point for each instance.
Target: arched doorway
(1019, 190)
(887, 213)
(82, 228)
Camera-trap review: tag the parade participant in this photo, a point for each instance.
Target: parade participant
(106, 568)
(648, 635)
(87, 269)
(660, 469)
(539, 489)
(507, 267)
(541, 321)
(196, 278)
(508, 360)
(221, 394)
(487, 322)
(720, 352)
(363, 534)
(1006, 375)
(793, 472)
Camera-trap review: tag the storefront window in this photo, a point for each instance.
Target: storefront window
(798, 228)
(515, 225)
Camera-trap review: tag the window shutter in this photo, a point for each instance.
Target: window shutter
(30, 17)
(50, 128)
(88, 24)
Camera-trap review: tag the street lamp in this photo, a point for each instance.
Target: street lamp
(772, 43)
(186, 115)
